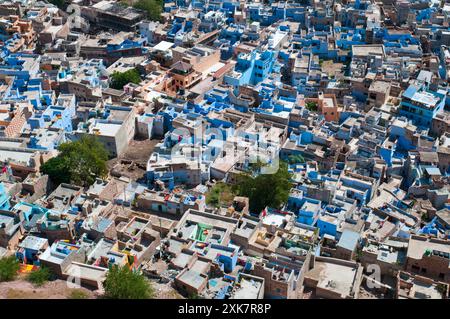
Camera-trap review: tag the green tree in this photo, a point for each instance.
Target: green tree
(79, 162)
(358, 255)
(123, 283)
(442, 289)
(120, 79)
(57, 169)
(425, 217)
(58, 3)
(152, 7)
(294, 159)
(39, 276)
(265, 189)
(9, 266)
(220, 195)
(311, 106)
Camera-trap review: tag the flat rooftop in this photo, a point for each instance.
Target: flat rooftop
(275, 219)
(418, 247)
(105, 129)
(422, 290)
(17, 156)
(88, 272)
(426, 98)
(366, 50)
(193, 278)
(334, 277)
(33, 242)
(10, 143)
(163, 46)
(249, 289)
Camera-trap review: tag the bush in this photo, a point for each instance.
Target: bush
(58, 3)
(425, 217)
(120, 79)
(39, 276)
(311, 106)
(295, 159)
(442, 289)
(78, 294)
(152, 7)
(193, 296)
(220, 195)
(9, 266)
(123, 283)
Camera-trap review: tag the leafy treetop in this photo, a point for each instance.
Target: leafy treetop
(123, 283)
(79, 162)
(265, 189)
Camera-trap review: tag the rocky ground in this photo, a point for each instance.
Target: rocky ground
(165, 291)
(58, 289)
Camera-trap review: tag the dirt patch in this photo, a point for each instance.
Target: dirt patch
(21, 289)
(332, 68)
(133, 162)
(166, 291)
(138, 151)
(367, 293)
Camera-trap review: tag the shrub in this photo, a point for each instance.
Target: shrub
(123, 283)
(9, 266)
(295, 159)
(58, 3)
(442, 289)
(311, 106)
(153, 8)
(120, 79)
(220, 195)
(78, 294)
(39, 276)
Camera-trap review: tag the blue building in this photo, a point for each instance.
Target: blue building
(251, 68)
(126, 48)
(226, 256)
(327, 225)
(30, 248)
(4, 198)
(421, 105)
(309, 211)
(22, 67)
